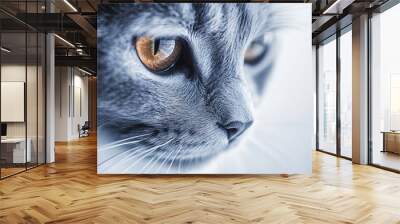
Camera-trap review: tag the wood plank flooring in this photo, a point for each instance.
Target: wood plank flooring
(10, 171)
(70, 191)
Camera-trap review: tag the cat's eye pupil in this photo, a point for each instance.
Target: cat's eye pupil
(156, 46)
(158, 54)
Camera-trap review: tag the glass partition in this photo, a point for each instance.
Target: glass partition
(22, 77)
(13, 105)
(327, 96)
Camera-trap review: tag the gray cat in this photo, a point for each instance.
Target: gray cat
(177, 82)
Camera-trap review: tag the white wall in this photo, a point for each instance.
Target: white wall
(62, 81)
(71, 102)
(80, 109)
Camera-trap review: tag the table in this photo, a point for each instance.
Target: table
(391, 141)
(13, 150)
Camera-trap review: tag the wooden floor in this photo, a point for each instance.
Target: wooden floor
(70, 191)
(5, 172)
(387, 159)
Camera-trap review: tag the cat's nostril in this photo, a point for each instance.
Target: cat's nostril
(231, 132)
(235, 129)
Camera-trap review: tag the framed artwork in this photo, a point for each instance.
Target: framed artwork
(205, 88)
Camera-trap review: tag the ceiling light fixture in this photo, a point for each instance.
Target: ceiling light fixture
(337, 7)
(84, 71)
(5, 50)
(65, 41)
(70, 5)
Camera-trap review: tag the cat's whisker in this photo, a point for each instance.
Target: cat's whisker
(144, 167)
(192, 160)
(127, 157)
(258, 144)
(172, 160)
(143, 154)
(126, 139)
(117, 155)
(179, 166)
(165, 159)
(104, 123)
(115, 159)
(176, 155)
(138, 156)
(151, 161)
(158, 158)
(121, 144)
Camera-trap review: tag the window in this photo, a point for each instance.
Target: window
(327, 96)
(346, 93)
(334, 138)
(385, 89)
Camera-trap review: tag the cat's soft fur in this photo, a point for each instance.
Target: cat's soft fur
(179, 116)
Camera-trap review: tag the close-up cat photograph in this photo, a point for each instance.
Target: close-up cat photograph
(181, 112)
(185, 88)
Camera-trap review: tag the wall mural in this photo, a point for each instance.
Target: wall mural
(205, 88)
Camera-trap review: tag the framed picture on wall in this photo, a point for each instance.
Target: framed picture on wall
(12, 101)
(213, 88)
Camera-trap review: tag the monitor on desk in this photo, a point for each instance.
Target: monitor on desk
(3, 130)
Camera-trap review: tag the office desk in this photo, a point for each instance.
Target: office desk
(391, 142)
(13, 150)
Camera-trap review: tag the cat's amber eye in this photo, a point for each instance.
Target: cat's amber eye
(254, 52)
(158, 54)
(258, 49)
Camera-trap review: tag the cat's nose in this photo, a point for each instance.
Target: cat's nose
(236, 128)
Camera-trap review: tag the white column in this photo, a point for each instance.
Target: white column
(50, 100)
(360, 90)
(50, 92)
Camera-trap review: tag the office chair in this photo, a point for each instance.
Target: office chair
(84, 130)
